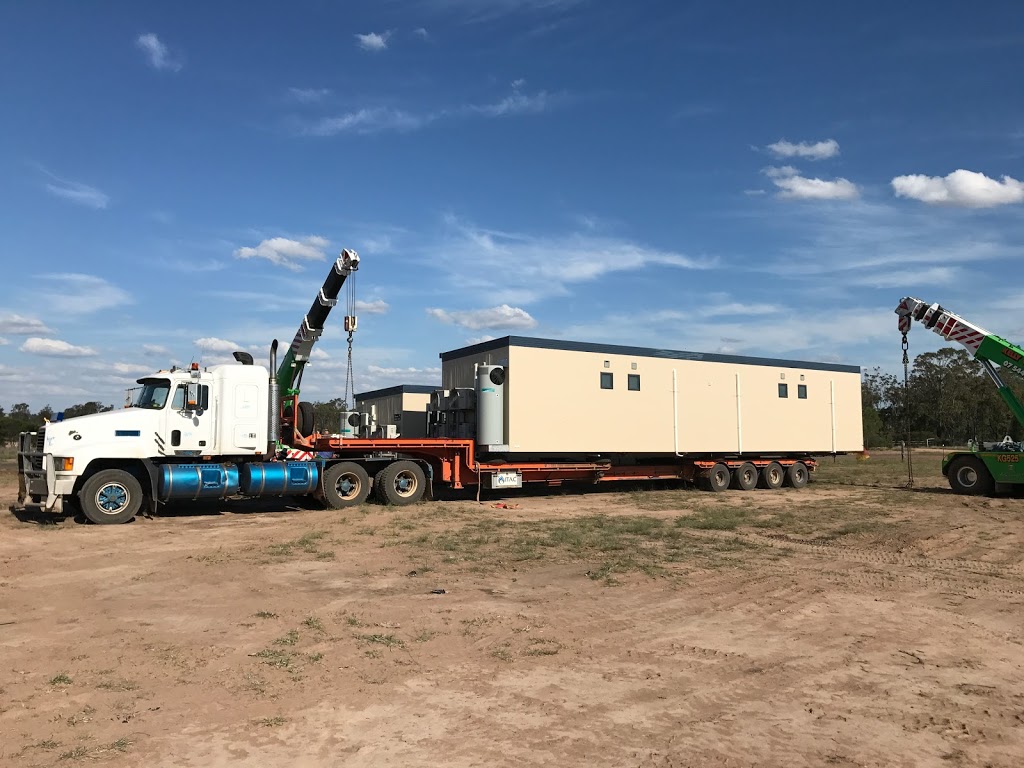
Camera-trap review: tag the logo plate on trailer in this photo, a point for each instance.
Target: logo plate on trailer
(507, 480)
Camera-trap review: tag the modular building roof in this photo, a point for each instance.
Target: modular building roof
(400, 389)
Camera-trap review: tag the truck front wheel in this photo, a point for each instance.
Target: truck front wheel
(111, 496)
(970, 476)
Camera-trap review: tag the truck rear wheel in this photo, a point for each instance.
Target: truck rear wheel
(345, 484)
(718, 478)
(744, 477)
(401, 483)
(773, 476)
(969, 475)
(111, 496)
(797, 475)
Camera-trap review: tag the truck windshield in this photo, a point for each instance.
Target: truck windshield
(153, 394)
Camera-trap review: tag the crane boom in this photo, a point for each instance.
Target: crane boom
(289, 373)
(992, 351)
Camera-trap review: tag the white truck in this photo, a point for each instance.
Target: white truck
(191, 433)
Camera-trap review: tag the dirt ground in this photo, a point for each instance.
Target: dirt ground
(851, 623)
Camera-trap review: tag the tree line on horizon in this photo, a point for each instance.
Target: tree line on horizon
(949, 401)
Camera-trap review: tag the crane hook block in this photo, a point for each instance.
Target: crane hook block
(350, 323)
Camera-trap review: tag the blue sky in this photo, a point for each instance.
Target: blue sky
(764, 179)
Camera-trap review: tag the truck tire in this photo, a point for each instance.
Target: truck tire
(969, 475)
(718, 479)
(744, 477)
(797, 475)
(111, 496)
(306, 419)
(345, 484)
(773, 476)
(401, 483)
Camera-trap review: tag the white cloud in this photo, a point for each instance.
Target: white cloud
(3, 342)
(159, 55)
(479, 339)
(78, 294)
(793, 186)
(76, 192)
(514, 104)
(544, 266)
(285, 252)
(132, 370)
(966, 189)
(518, 83)
(374, 41)
(20, 324)
(155, 350)
(819, 150)
(421, 33)
(494, 318)
(375, 307)
(213, 344)
(55, 348)
(366, 121)
(308, 95)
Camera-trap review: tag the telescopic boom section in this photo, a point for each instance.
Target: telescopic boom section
(992, 351)
(289, 373)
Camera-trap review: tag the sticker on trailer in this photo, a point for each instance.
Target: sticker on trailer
(507, 480)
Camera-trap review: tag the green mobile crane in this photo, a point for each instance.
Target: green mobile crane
(979, 470)
(296, 417)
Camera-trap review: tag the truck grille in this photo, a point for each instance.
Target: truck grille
(37, 458)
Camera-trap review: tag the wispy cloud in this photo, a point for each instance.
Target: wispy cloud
(488, 10)
(421, 33)
(19, 324)
(373, 41)
(286, 252)
(78, 294)
(155, 350)
(55, 348)
(213, 344)
(545, 266)
(965, 189)
(3, 342)
(75, 191)
(159, 55)
(494, 318)
(818, 150)
(369, 120)
(308, 95)
(793, 186)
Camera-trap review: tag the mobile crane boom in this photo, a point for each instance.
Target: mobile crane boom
(289, 373)
(991, 351)
(977, 471)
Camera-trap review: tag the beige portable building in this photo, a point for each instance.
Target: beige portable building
(404, 405)
(574, 398)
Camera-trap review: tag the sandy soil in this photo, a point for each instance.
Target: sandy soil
(889, 634)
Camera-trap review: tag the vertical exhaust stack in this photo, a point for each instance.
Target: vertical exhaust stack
(274, 416)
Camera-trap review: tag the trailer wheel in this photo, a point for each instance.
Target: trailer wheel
(797, 475)
(111, 496)
(345, 484)
(744, 477)
(969, 475)
(401, 483)
(773, 476)
(718, 478)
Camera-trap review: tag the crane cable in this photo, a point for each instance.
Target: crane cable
(350, 326)
(906, 409)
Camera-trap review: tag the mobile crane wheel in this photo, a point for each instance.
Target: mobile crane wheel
(969, 475)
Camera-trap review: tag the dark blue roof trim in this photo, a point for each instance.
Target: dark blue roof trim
(403, 389)
(615, 349)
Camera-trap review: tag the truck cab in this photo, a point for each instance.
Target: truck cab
(177, 415)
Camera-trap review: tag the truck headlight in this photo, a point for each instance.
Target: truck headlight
(63, 464)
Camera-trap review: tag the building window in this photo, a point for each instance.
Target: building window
(801, 391)
(633, 382)
(783, 390)
(606, 380)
